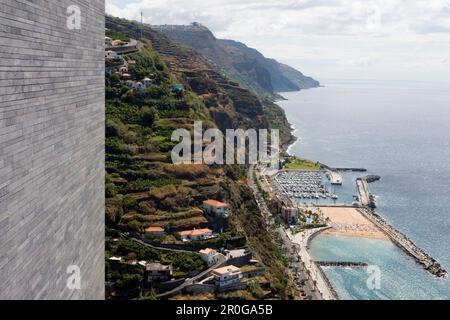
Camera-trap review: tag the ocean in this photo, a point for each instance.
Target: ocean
(401, 131)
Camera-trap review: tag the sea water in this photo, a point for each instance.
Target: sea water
(400, 131)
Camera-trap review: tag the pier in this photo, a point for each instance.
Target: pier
(335, 177)
(363, 191)
(404, 243)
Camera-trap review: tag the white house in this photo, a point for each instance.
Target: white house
(123, 70)
(210, 256)
(196, 234)
(139, 86)
(158, 272)
(147, 82)
(217, 208)
(227, 276)
(108, 42)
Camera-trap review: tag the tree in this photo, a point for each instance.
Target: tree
(148, 116)
(134, 226)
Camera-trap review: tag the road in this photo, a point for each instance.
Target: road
(193, 280)
(296, 266)
(222, 260)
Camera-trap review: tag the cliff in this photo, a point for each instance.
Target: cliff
(245, 65)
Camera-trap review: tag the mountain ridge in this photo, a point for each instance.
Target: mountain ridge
(246, 65)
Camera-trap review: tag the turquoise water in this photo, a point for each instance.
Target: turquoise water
(400, 131)
(401, 277)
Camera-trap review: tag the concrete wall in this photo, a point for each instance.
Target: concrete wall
(51, 149)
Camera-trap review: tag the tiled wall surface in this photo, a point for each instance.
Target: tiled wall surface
(51, 149)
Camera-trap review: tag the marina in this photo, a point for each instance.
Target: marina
(356, 219)
(335, 178)
(305, 185)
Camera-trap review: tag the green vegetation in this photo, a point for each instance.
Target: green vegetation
(276, 118)
(143, 187)
(117, 36)
(301, 164)
(128, 276)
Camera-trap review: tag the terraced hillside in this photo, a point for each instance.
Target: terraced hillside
(144, 189)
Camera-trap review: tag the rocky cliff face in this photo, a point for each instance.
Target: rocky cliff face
(283, 77)
(246, 65)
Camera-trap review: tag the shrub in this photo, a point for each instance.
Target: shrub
(148, 116)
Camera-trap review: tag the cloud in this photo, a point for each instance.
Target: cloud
(312, 16)
(360, 34)
(366, 61)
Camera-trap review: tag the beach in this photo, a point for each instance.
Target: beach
(349, 222)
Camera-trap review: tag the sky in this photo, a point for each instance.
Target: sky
(325, 39)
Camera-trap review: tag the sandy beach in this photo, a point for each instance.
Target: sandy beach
(351, 223)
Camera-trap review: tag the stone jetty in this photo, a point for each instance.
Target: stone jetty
(406, 244)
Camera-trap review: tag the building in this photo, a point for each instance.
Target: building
(109, 54)
(155, 231)
(147, 82)
(216, 208)
(108, 42)
(115, 259)
(139, 86)
(123, 70)
(290, 215)
(227, 276)
(210, 256)
(52, 142)
(157, 272)
(196, 234)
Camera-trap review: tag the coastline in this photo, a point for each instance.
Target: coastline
(323, 284)
(385, 232)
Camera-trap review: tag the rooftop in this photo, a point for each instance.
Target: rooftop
(227, 270)
(157, 267)
(208, 251)
(195, 232)
(215, 203)
(154, 229)
(115, 259)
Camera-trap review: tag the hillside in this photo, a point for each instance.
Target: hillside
(144, 189)
(246, 65)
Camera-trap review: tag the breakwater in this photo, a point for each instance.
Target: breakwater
(406, 244)
(343, 264)
(342, 169)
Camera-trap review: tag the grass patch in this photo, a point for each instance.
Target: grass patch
(301, 164)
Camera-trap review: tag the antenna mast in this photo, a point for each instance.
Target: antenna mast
(142, 26)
